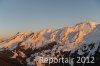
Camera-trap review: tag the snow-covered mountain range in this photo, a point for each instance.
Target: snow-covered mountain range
(82, 39)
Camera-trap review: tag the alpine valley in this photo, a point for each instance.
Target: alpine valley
(81, 42)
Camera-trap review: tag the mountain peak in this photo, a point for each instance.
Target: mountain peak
(46, 30)
(24, 33)
(89, 21)
(86, 24)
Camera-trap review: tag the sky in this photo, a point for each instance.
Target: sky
(34, 15)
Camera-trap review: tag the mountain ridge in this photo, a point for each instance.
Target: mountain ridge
(82, 39)
(68, 34)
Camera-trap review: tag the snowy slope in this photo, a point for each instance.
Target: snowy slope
(73, 35)
(82, 38)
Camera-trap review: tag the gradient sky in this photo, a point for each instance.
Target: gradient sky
(34, 15)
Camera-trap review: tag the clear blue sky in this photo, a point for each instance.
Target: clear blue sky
(34, 15)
